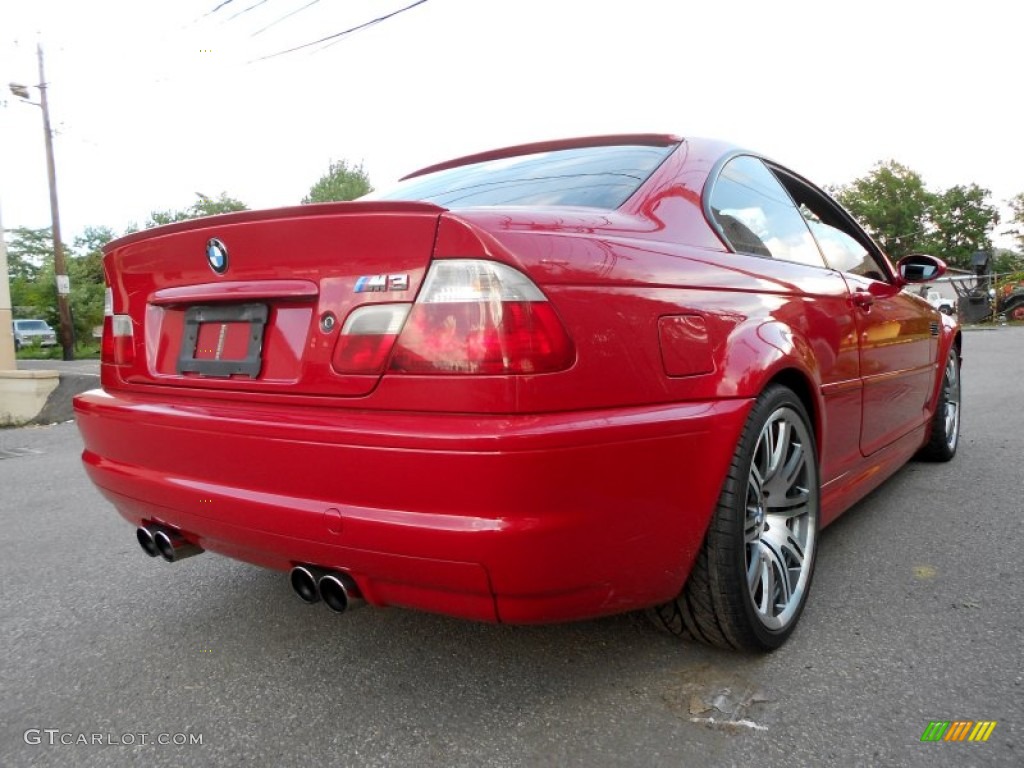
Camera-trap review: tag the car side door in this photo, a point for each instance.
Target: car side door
(897, 354)
(896, 332)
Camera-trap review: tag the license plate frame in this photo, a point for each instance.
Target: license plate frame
(253, 314)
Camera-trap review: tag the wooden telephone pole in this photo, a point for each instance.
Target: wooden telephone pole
(60, 268)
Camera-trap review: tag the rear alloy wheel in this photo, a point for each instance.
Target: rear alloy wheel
(941, 446)
(750, 581)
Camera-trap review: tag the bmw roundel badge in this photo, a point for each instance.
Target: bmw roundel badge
(217, 255)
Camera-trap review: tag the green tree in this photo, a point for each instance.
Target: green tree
(85, 270)
(27, 250)
(1016, 229)
(1005, 262)
(30, 264)
(92, 240)
(341, 182)
(203, 206)
(892, 203)
(33, 286)
(961, 218)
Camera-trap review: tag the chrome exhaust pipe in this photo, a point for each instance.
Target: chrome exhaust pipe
(146, 541)
(172, 546)
(304, 583)
(339, 591)
(169, 544)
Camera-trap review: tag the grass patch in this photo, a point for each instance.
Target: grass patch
(82, 352)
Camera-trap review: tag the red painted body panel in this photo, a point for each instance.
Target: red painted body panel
(526, 518)
(580, 492)
(897, 357)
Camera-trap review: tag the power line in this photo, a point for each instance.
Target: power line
(246, 10)
(286, 16)
(208, 13)
(335, 37)
(375, 21)
(219, 6)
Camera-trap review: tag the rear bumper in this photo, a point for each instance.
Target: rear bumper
(499, 518)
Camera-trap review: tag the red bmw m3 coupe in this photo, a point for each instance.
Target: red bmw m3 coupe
(543, 383)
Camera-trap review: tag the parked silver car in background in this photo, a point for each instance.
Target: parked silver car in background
(29, 333)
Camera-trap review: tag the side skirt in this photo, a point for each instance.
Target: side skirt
(843, 492)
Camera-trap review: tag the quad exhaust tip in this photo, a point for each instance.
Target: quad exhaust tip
(165, 542)
(304, 582)
(146, 541)
(338, 590)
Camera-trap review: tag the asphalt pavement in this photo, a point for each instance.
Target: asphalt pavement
(915, 616)
(84, 367)
(75, 376)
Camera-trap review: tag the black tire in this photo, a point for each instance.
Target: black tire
(945, 427)
(759, 529)
(1014, 308)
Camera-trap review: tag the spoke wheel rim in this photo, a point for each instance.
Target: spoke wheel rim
(780, 524)
(951, 401)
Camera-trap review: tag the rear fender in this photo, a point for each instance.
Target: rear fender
(761, 352)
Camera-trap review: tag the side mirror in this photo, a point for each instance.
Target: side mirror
(920, 268)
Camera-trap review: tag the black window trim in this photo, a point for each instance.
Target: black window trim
(852, 228)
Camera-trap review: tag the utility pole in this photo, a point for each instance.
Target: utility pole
(60, 268)
(7, 362)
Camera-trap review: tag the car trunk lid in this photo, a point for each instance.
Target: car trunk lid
(254, 301)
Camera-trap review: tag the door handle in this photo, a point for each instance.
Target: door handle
(862, 299)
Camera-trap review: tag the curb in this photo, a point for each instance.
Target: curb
(59, 406)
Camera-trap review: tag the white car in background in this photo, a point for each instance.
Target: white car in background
(941, 303)
(29, 333)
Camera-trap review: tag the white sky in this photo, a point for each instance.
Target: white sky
(153, 103)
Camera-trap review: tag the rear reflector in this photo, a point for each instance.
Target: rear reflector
(118, 340)
(367, 338)
(481, 317)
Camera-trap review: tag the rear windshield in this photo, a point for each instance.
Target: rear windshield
(593, 177)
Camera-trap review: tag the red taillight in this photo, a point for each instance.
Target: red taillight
(481, 317)
(118, 346)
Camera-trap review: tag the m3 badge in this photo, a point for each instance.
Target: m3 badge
(382, 283)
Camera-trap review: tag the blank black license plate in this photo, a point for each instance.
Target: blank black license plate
(223, 341)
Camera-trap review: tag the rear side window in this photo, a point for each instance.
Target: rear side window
(593, 177)
(756, 215)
